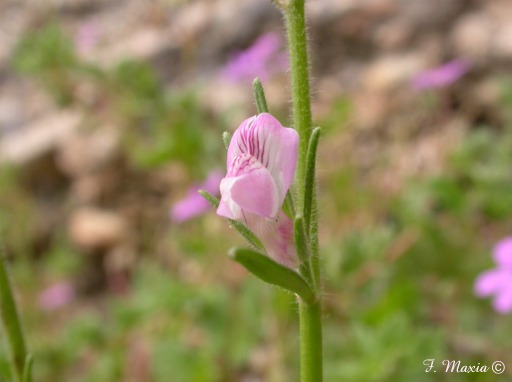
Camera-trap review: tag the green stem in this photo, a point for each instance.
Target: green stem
(297, 44)
(309, 314)
(11, 324)
(310, 342)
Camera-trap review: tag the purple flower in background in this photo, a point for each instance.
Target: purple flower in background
(441, 76)
(194, 204)
(56, 296)
(498, 281)
(261, 162)
(86, 38)
(262, 59)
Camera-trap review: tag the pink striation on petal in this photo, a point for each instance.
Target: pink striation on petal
(502, 253)
(56, 296)
(273, 145)
(491, 282)
(194, 204)
(249, 186)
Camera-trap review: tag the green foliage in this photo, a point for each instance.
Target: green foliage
(158, 125)
(479, 177)
(399, 270)
(48, 54)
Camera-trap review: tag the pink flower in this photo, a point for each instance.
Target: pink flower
(56, 296)
(261, 162)
(441, 76)
(194, 204)
(262, 59)
(498, 281)
(87, 37)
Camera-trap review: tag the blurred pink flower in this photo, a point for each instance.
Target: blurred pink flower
(441, 76)
(262, 59)
(194, 204)
(86, 37)
(56, 296)
(261, 162)
(498, 281)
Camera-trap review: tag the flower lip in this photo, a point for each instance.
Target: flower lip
(261, 159)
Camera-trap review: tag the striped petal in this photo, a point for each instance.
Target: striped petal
(248, 187)
(273, 145)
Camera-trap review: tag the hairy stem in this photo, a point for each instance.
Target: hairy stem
(310, 315)
(297, 45)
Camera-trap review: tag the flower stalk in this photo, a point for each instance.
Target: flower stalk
(310, 315)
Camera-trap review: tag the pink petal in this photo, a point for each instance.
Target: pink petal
(491, 282)
(256, 192)
(56, 296)
(194, 204)
(441, 76)
(273, 145)
(503, 301)
(502, 253)
(276, 236)
(248, 186)
(260, 60)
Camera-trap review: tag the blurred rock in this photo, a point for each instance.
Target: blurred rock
(84, 152)
(394, 34)
(472, 36)
(38, 138)
(502, 42)
(429, 14)
(93, 229)
(390, 71)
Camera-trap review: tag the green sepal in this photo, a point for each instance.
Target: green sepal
(242, 229)
(259, 96)
(302, 245)
(273, 273)
(309, 181)
(226, 138)
(27, 371)
(289, 205)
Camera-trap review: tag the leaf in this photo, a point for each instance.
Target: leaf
(259, 96)
(309, 181)
(27, 371)
(273, 273)
(226, 137)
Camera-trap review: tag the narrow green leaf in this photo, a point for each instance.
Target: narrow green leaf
(214, 202)
(303, 248)
(247, 234)
(273, 273)
(289, 205)
(11, 321)
(240, 227)
(309, 181)
(301, 239)
(259, 96)
(27, 372)
(226, 138)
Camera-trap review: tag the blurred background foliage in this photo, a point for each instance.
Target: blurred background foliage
(404, 235)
